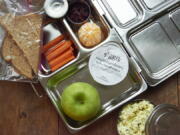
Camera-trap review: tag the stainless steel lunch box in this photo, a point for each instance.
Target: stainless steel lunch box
(147, 30)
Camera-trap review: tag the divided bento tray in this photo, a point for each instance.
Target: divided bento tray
(147, 30)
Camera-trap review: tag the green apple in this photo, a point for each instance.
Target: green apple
(80, 101)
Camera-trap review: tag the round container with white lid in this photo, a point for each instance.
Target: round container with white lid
(56, 8)
(109, 65)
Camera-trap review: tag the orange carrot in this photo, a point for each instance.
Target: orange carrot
(54, 48)
(71, 48)
(54, 68)
(60, 58)
(59, 50)
(53, 42)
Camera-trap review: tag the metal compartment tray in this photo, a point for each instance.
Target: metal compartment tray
(147, 34)
(152, 37)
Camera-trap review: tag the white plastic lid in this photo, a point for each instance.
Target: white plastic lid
(56, 8)
(109, 65)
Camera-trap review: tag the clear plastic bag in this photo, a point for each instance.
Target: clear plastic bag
(12, 10)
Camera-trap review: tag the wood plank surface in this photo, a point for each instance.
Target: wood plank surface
(178, 89)
(23, 113)
(167, 92)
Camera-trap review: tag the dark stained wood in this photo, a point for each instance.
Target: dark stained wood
(104, 126)
(23, 113)
(166, 92)
(179, 89)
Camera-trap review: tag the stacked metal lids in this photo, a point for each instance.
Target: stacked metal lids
(164, 120)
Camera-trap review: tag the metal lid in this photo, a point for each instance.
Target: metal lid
(164, 120)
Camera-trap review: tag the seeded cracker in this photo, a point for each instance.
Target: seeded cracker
(26, 32)
(11, 53)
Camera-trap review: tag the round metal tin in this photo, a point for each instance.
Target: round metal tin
(86, 4)
(164, 120)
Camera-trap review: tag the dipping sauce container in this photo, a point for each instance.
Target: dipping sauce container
(79, 12)
(56, 8)
(109, 65)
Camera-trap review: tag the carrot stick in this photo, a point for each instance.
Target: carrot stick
(54, 68)
(54, 48)
(60, 58)
(71, 48)
(59, 50)
(53, 42)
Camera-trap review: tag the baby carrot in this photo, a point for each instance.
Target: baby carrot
(54, 68)
(53, 42)
(59, 50)
(60, 58)
(55, 47)
(71, 48)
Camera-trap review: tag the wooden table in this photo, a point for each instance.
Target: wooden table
(23, 113)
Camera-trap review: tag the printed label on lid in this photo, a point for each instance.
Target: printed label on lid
(108, 65)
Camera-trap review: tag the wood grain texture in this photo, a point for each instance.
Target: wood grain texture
(104, 126)
(23, 113)
(167, 92)
(178, 89)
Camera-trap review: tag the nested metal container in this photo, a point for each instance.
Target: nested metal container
(148, 31)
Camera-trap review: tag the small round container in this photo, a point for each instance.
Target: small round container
(79, 12)
(164, 120)
(56, 8)
(108, 65)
